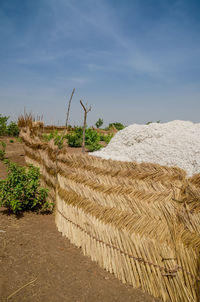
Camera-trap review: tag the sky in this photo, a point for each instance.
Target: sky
(133, 61)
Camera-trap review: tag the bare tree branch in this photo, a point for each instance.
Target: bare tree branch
(69, 107)
(86, 110)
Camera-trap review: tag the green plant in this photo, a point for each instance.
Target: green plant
(11, 141)
(106, 137)
(45, 137)
(21, 190)
(12, 129)
(3, 124)
(117, 125)
(74, 139)
(59, 140)
(148, 123)
(2, 150)
(92, 138)
(99, 123)
(6, 161)
(69, 127)
(94, 146)
(51, 135)
(18, 139)
(2, 154)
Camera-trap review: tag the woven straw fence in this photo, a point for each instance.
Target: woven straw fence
(138, 221)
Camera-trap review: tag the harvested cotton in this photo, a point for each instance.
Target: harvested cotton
(175, 143)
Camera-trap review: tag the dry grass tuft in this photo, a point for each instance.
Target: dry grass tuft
(29, 120)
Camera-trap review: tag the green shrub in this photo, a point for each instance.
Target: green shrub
(11, 141)
(46, 137)
(117, 125)
(21, 190)
(101, 137)
(59, 140)
(2, 150)
(99, 123)
(106, 137)
(3, 124)
(94, 147)
(92, 139)
(74, 140)
(51, 135)
(12, 129)
(78, 131)
(2, 154)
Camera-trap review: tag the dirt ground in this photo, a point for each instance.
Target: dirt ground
(38, 264)
(14, 152)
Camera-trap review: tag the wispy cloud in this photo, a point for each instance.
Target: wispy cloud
(91, 33)
(121, 51)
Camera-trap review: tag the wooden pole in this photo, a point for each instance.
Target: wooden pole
(86, 110)
(69, 107)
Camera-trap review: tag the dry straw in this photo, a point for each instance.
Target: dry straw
(138, 221)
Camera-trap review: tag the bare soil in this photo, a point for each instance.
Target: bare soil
(14, 152)
(38, 264)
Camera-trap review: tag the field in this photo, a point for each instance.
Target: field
(31, 249)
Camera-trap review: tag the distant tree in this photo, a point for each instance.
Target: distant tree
(99, 123)
(117, 125)
(148, 123)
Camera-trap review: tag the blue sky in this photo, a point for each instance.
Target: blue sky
(133, 61)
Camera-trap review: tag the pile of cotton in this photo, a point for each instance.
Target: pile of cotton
(175, 143)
